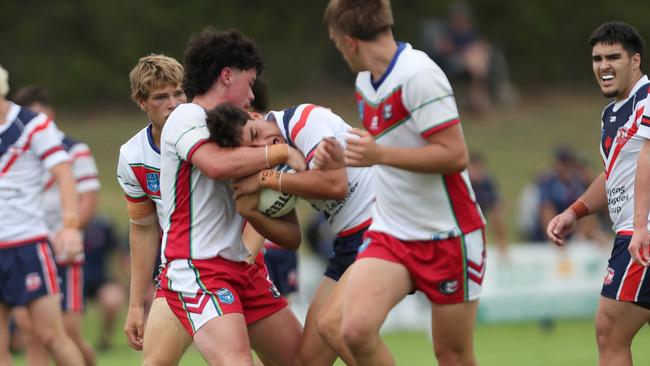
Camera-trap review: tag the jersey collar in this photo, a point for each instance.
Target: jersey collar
(150, 139)
(401, 46)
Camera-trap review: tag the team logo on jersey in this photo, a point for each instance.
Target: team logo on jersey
(622, 136)
(609, 276)
(374, 123)
(612, 119)
(360, 105)
(449, 287)
(388, 111)
(225, 296)
(153, 182)
(33, 281)
(364, 245)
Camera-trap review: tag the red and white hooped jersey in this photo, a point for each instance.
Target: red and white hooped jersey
(85, 174)
(304, 127)
(30, 144)
(200, 218)
(412, 101)
(623, 134)
(138, 169)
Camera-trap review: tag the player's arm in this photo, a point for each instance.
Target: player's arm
(641, 239)
(223, 163)
(316, 184)
(144, 242)
(445, 152)
(592, 201)
(283, 231)
(68, 239)
(87, 207)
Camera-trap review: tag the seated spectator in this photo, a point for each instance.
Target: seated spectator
(468, 59)
(488, 197)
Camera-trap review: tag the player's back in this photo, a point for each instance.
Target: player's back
(412, 101)
(30, 144)
(304, 126)
(200, 219)
(84, 171)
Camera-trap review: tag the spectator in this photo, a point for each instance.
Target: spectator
(488, 197)
(468, 58)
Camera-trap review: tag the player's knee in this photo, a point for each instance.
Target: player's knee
(48, 336)
(328, 329)
(356, 334)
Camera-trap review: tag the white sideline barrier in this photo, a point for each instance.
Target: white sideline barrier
(536, 281)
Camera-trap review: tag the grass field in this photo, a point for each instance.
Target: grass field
(569, 343)
(517, 143)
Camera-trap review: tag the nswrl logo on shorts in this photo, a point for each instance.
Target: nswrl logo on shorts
(225, 296)
(33, 281)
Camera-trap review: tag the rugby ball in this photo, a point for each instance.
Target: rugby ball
(277, 204)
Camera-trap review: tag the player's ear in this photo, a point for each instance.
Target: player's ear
(226, 75)
(636, 61)
(351, 43)
(142, 104)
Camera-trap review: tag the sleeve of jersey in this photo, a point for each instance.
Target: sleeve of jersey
(84, 168)
(644, 126)
(126, 178)
(46, 143)
(307, 131)
(188, 137)
(430, 100)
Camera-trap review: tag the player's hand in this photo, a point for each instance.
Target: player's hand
(561, 226)
(246, 185)
(247, 204)
(67, 244)
(134, 327)
(362, 151)
(639, 247)
(296, 160)
(329, 155)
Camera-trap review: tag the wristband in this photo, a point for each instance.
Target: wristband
(579, 208)
(271, 178)
(70, 220)
(276, 154)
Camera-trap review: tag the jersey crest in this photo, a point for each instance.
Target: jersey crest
(153, 181)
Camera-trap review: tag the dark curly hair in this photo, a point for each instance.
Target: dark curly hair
(208, 52)
(226, 124)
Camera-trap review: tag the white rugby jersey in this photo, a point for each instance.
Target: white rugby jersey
(84, 171)
(622, 136)
(138, 169)
(30, 144)
(304, 127)
(200, 218)
(412, 101)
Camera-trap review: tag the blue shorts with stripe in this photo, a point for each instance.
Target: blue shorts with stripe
(27, 272)
(71, 281)
(344, 254)
(624, 279)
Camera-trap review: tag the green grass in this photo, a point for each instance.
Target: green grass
(569, 342)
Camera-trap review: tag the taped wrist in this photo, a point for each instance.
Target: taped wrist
(271, 178)
(147, 220)
(579, 208)
(276, 154)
